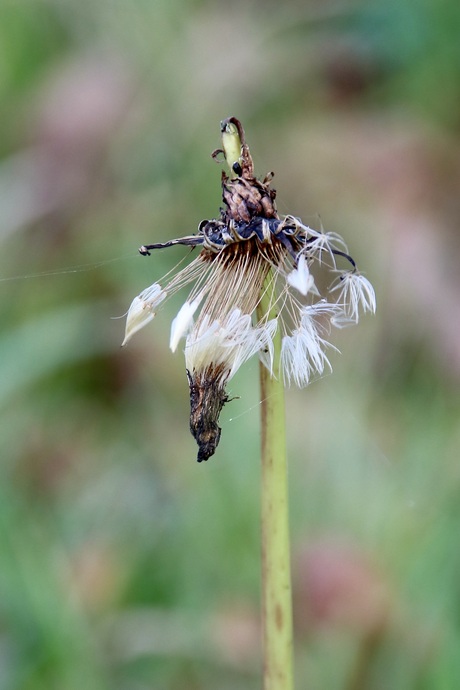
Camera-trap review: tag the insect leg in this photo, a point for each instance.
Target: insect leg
(190, 241)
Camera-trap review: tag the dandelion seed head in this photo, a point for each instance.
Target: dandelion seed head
(247, 253)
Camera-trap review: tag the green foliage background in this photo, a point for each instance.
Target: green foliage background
(123, 563)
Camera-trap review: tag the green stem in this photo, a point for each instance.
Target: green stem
(276, 570)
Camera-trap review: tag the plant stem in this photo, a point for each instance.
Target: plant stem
(276, 568)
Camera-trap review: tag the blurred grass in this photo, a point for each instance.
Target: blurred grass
(124, 564)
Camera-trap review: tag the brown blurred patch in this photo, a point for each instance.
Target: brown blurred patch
(95, 576)
(335, 584)
(236, 634)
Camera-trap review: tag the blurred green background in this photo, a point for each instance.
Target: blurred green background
(125, 565)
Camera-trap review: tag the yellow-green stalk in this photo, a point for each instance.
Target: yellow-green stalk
(276, 564)
(276, 558)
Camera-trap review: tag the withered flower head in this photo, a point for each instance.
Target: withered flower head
(246, 253)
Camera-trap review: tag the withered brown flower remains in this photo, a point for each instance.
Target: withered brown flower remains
(246, 253)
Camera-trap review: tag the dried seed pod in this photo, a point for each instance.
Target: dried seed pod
(207, 398)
